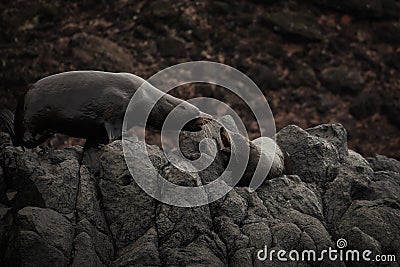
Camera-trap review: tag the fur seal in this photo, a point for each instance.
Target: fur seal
(262, 150)
(90, 105)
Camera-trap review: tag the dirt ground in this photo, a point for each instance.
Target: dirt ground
(315, 61)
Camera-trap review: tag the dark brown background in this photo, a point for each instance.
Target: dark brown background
(316, 61)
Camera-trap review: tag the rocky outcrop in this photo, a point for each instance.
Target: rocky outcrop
(57, 212)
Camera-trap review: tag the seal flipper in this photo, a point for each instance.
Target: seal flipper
(114, 130)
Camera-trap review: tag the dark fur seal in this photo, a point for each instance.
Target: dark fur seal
(87, 104)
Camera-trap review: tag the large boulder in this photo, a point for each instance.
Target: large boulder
(93, 213)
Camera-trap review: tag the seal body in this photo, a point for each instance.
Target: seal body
(88, 104)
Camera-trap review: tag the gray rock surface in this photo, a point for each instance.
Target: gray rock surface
(94, 214)
(314, 159)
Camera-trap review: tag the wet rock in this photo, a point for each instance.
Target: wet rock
(383, 163)
(300, 27)
(342, 79)
(314, 159)
(172, 47)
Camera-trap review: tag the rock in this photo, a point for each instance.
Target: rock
(243, 257)
(365, 8)
(201, 252)
(172, 47)
(300, 27)
(84, 252)
(3, 187)
(365, 105)
(293, 224)
(303, 75)
(234, 207)
(6, 221)
(335, 134)
(52, 227)
(287, 235)
(124, 202)
(47, 181)
(383, 163)
(314, 159)
(375, 219)
(388, 32)
(5, 140)
(101, 243)
(159, 10)
(391, 107)
(265, 77)
(230, 234)
(292, 193)
(101, 217)
(358, 240)
(177, 227)
(342, 79)
(219, 8)
(144, 251)
(354, 175)
(88, 204)
(99, 53)
(385, 185)
(27, 248)
(259, 233)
